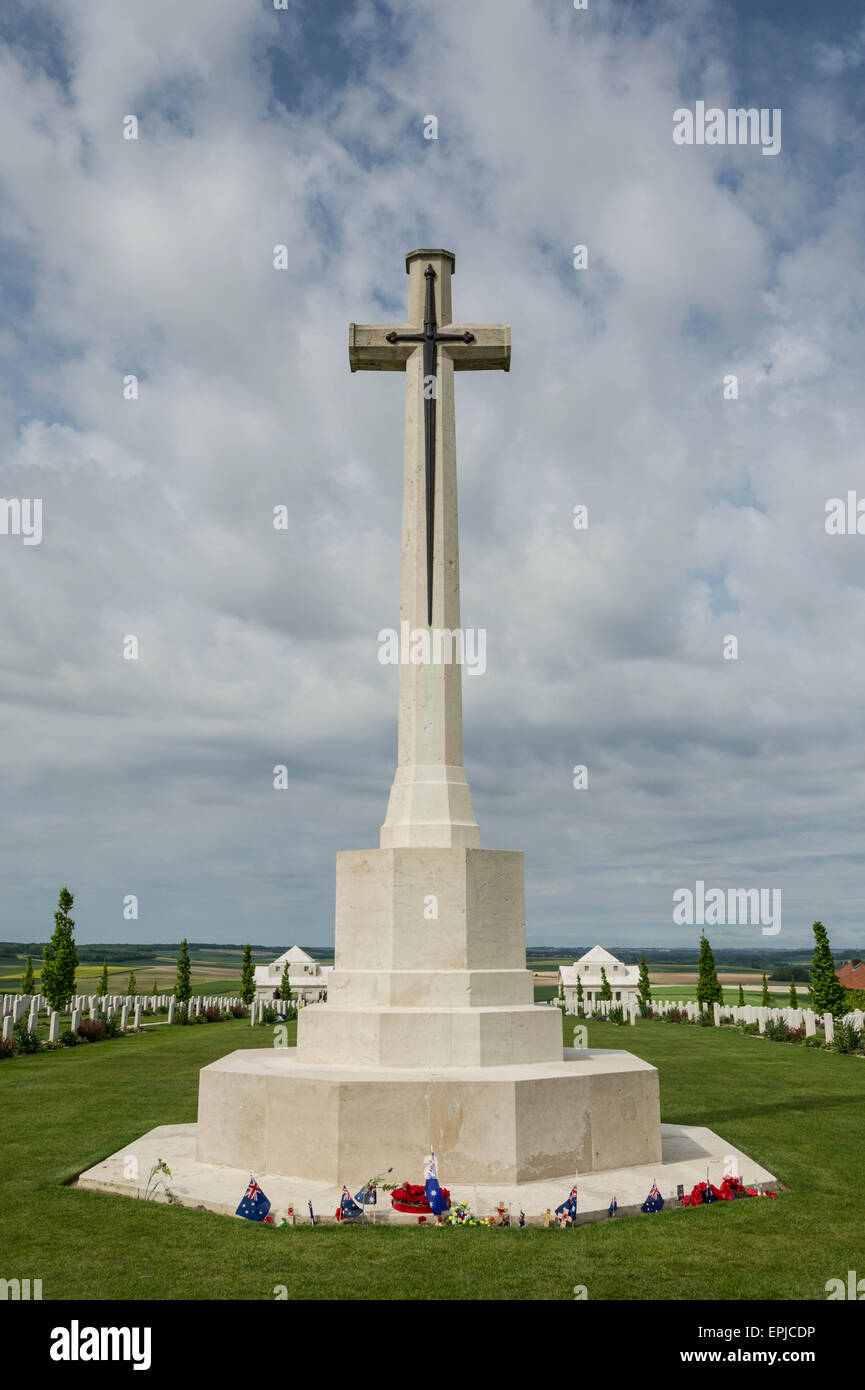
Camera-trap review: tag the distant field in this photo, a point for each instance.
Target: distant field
(207, 977)
(779, 994)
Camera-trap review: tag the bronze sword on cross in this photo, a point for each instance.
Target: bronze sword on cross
(430, 337)
(472, 347)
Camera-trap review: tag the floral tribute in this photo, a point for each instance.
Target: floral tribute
(730, 1189)
(412, 1198)
(461, 1215)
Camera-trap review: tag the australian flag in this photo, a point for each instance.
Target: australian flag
(437, 1202)
(254, 1206)
(569, 1206)
(612, 1208)
(348, 1206)
(654, 1201)
(522, 1218)
(367, 1196)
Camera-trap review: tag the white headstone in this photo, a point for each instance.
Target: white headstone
(124, 1017)
(7, 1027)
(75, 1020)
(716, 1010)
(54, 1027)
(171, 1011)
(138, 1013)
(829, 1027)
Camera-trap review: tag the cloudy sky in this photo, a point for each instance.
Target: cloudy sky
(304, 127)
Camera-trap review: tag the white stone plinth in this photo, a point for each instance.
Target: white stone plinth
(270, 1111)
(688, 1152)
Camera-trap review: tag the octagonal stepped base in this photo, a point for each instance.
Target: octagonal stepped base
(267, 1111)
(437, 1037)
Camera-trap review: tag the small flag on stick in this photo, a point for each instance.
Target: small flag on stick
(254, 1206)
(438, 1203)
(654, 1201)
(348, 1206)
(569, 1206)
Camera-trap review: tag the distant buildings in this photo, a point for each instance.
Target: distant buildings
(623, 979)
(308, 979)
(852, 975)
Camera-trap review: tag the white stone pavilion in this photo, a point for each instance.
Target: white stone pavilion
(308, 979)
(624, 979)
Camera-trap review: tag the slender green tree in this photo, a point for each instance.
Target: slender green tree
(285, 986)
(708, 989)
(794, 998)
(765, 1000)
(183, 984)
(28, 979)
(102, 989)
(60, 957)
(741, 997)
(827, 992)
(606, 987)
(247, 977)
(131, 984)
(561, 989)
(154, 990)
(644, 989)
(579, 995)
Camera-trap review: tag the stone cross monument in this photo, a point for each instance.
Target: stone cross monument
(430, 1037)
(430, 803)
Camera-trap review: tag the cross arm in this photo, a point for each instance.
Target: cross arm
(489, 350)
(370, 351)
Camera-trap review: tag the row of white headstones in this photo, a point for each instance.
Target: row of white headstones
(743, 1013)
(15, 1006)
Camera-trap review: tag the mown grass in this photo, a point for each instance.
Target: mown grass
(799, 1112)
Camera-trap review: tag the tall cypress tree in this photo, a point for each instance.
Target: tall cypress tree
(708, 989)
(183, 984)
(28, 979)
(60, 957)
(644, 990)
(132, 986)
(827, 992)
(102, 989)
(765, 1001)
(579, 995)
(741, 997)
(285, 986)
(794, 998)
(247, 977)
(606, 987)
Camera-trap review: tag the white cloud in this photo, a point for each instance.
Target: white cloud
(258, 647)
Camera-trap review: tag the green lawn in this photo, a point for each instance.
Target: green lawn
(753, 994)
(799, 1112)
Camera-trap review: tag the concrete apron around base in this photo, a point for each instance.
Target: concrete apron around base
(690, 1155)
